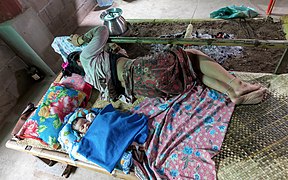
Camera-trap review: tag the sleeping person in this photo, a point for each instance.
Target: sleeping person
(81, 124)
(164, 74)
(105, 134)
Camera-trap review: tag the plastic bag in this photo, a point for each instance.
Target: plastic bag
(231, 12)
(104, 3)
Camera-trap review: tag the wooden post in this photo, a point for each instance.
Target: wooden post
(282, 64)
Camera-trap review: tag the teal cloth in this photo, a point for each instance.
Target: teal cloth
(231, 12)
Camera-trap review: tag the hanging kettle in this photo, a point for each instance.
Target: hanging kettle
(116, 24)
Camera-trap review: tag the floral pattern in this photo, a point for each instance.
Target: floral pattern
(31, 128)
(77, 82)
(48, 118)
(163, 74)
(185, 133)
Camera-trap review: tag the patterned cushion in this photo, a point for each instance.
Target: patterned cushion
(125, 162)
(75, 81)
(46, 122)
(68, 138)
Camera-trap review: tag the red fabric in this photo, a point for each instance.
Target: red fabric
(87, 89)
(32, 137)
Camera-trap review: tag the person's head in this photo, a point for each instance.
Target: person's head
(81, 125)
(73, 64)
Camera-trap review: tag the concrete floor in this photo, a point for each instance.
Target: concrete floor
(18, 165)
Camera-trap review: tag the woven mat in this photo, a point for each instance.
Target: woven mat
(255, 146)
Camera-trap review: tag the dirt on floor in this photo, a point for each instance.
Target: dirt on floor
(252, 59)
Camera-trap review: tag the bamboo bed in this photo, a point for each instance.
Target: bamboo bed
(255, 146)
(256, 141)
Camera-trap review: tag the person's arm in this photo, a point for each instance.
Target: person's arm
(96, 39)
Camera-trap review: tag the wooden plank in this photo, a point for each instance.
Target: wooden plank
(65, 159)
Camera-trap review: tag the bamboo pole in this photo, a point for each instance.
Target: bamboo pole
(154, 21)
(194, 41)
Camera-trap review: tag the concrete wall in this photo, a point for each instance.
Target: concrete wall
(26, 38)
(9, 9)
(13, 78)
(60, 16)
(30, 38)
(31, 33)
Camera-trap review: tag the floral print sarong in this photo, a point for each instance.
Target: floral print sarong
(164, 74)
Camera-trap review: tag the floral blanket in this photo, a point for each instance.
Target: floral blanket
(185, 133)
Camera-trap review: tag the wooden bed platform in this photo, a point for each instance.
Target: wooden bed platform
(255, 145)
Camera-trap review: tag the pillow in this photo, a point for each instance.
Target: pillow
(77, 82)
(68, 138)
(46, 122)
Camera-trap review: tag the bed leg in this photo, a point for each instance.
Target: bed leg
(47, 161)
(68, 170)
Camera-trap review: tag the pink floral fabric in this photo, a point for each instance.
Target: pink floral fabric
(77, 82)
(185, 133)
(30, 127)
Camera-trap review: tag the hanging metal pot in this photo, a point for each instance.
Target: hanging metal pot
(116, 24)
